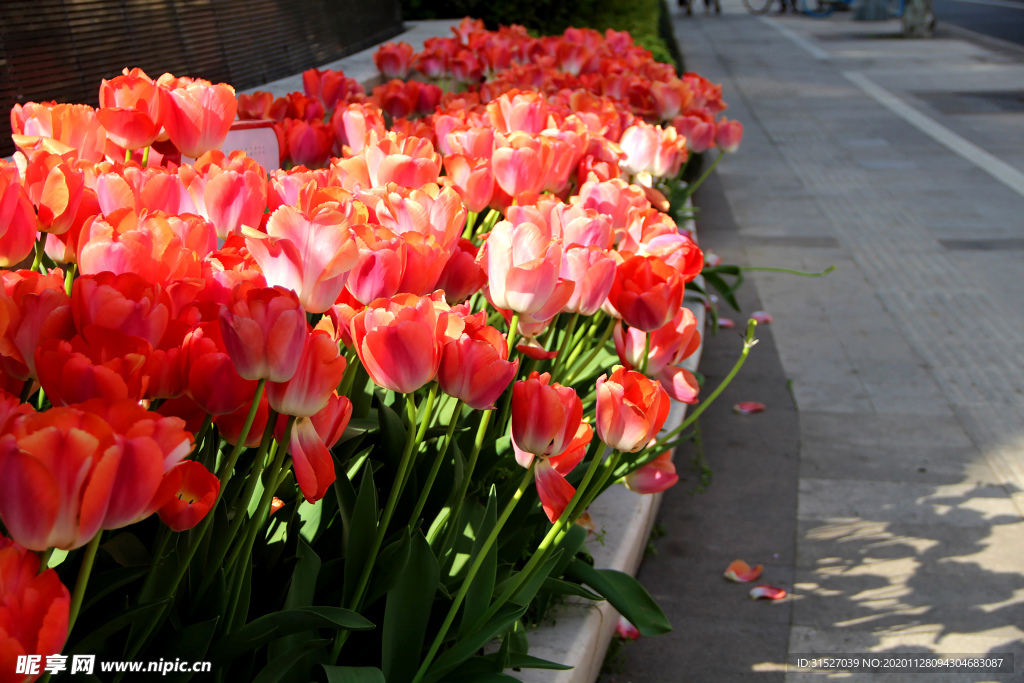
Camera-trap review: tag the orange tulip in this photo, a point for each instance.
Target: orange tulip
(631, 409)
(54, 186)
(131, 109)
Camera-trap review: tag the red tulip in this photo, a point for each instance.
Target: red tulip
(151, 445)
(354, 124)
(264, 330)
(17, 218)
(545, 417)
(400, 340)
(646, 292)
(213, 382)
(34, 613)
(125, 302)
(475, 367)
(318, 375)
(131, 109)
(393, 59)
(255, 107)
(194, 496)
(698, 127)
(308, 254)
(75, 125)
(230, 425)
(631, 409)
(462, 276)
(329, 86)
(309, 143)
(522, 166)
(654, 477)
(381, 264)
(198, 114)
(100, 363)
(669, 345)
(34, 309)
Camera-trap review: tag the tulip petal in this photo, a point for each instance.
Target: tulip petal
(739, 571)
(762, 317)
(726, 323)
(748, 407)
(313, 465)
(554, 491)
(766, 592)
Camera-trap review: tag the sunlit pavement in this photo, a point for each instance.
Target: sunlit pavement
(887, 493)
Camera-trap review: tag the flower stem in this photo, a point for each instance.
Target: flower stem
(647, 353)
(460, 494)
(582, 365)
(690, 189)
(436, 465)
(564, 348)
(513, 326)
(37, 260)
(83, 579)
(540, 554)
(471, 574)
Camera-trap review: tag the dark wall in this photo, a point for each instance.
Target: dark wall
(61, 49)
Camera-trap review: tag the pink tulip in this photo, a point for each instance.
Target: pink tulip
(310, 255)
(318, 375)
(472, 178)
(198, 114)
(654, 477)
(593, 271)
(523, 265)
(728, 135)
(545, 417)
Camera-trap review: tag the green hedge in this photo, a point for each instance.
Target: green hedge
(647, 20)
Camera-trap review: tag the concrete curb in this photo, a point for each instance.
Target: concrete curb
(579, 632)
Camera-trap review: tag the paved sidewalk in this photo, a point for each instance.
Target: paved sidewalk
(898, 525)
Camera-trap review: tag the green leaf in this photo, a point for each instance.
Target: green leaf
(279, 624)
(245, 592)
(102, 585)
(529, 590)
(509, 613)
(478, 597)
(284, 663)
(560, 587)
(407, 613)
(127, 550)
(354, 674)
(391, 562)
(393, 434)
(311, 515)
(300, 594)
(94, 641)
(519, 661)
(625, 594)
(189, 644)
(361, 534)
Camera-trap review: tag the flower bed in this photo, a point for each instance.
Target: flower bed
(359, 393)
